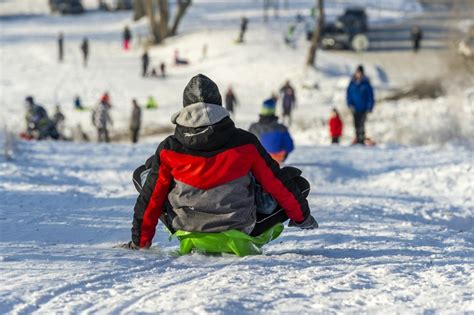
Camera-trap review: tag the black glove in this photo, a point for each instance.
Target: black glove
(130, 245)
(308, 224)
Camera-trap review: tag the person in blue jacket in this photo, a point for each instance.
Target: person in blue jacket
(274, 136)
(360, 99)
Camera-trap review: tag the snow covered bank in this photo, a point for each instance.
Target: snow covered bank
(396, 236)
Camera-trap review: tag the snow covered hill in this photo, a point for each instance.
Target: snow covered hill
(396, 236)
(396, 222)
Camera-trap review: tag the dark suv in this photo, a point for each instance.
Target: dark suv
(66, 6)
(347, 32)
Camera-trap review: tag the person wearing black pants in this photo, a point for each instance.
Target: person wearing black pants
(359, 125)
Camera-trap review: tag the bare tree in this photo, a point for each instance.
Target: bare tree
(182, 7)
(316, 34)
(158, 14)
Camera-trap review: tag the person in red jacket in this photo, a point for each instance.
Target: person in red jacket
(204, 177)
(335, 126)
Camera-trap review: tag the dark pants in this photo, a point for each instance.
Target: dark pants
(144, 69)
(335, 140)
(266, 221)
(135, 133)
(359, 125)
(103, 134)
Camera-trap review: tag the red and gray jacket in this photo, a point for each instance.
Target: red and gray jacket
(202, 176)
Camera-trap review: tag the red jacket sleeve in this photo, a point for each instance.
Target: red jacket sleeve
(149, 204)
(267, 173)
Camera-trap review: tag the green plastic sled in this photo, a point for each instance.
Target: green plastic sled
(232, 241)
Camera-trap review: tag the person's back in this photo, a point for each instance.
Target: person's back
(274, 136)
(201, 178)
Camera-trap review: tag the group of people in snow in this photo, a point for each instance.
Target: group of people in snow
(210, 182)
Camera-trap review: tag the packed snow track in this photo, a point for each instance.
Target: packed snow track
(396, 234)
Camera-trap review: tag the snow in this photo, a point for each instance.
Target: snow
(396, 236)
(396, 221)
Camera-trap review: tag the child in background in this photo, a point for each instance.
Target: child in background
(335, 126)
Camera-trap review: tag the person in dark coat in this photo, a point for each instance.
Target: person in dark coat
(85, 51)
(135, 121)
(416, 35)
(230, 101)
(61, 47)
(288, 101)
(243, 29)
(127, 37)
(163, 69)
(360, 99)
(335, 126)
(274, 136)
(38, 124)
(201, 178)
(145, 63)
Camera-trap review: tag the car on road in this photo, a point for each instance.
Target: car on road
(66, 6)
(347, 32)
(115, 5)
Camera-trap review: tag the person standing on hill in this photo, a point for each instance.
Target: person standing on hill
(288, 101)
(135, 121)
(127, 37)
(230, 101)
(145, 63)
(243, 29)
(85, 51)
(335, 126)
(274, 136)
(61, 47)
(360, 99)
(416, 37)
(101, 120)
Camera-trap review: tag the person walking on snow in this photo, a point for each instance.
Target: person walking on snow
(243, 29)
(288, 101)
(145, 63)
(135, 121)
(230, 101)
(202, 178)
(127, 37)
(360, 99)
(85, 51)
(101, 120)
(274, 136)
(61, 47)
(335, 126)
(416, 36)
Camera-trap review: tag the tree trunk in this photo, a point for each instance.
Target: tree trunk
(316, 34)
(154, 26)
(164, 17)
(139, 9)
(182, 7)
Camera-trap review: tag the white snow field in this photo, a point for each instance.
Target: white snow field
(396, 236)
(396, 221)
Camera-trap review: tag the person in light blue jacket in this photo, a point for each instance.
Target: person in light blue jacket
(360, 99)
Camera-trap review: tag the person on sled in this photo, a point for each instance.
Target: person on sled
(211, 179)
(274, 136)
